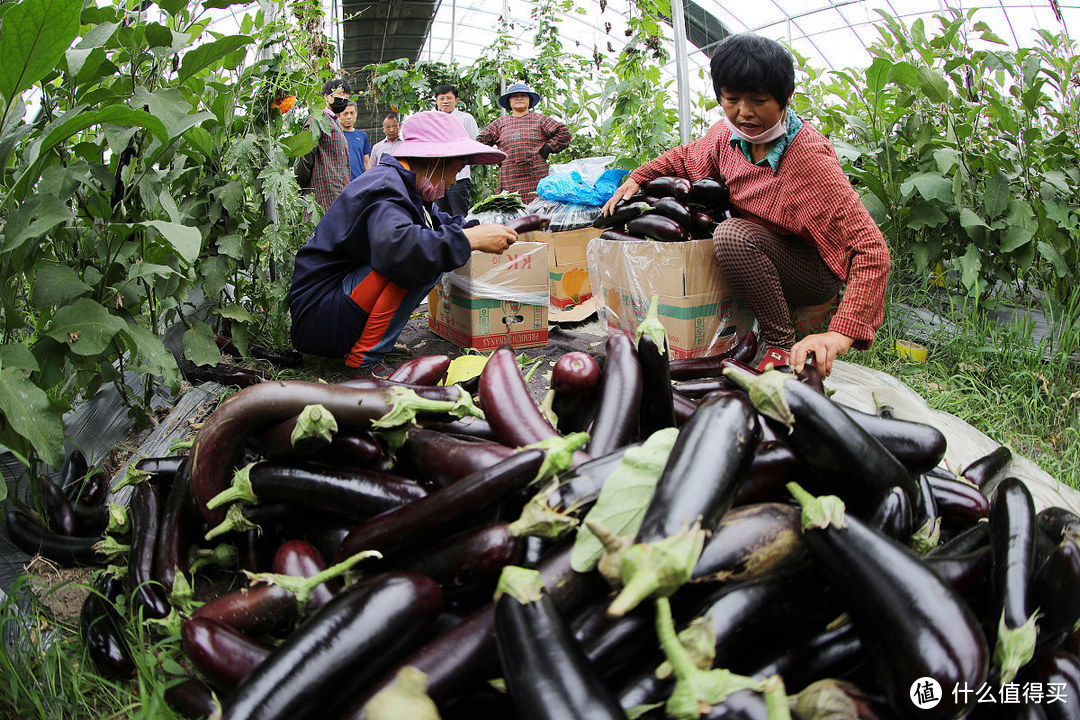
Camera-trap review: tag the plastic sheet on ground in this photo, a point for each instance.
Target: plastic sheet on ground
(864, 388)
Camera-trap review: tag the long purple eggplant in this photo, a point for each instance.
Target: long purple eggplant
(424, 370)
(751, 541)
(476, 556)
(302, 559)
(1012, 549)
(619, 403)
(424, 518)
(145, 513)
(220, 440)
(918, 446)
(34, 538)
(909, 620)
(58, 508)
(465, 656)
(222, 653)
(102, 629)
(175, 532)
(694, 491)
(712, 365)
(443, 459)
(547, 673)
(657, 407)
(350, 641)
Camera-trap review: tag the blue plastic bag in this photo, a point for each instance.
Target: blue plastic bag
(571, 187)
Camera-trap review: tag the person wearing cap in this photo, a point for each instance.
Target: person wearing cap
(527, 138)
(382, 246)
(801, 234)
(457, 199)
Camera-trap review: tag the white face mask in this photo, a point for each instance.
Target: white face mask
(774, 133)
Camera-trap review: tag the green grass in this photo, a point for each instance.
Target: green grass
(995, 377)
(45, 671)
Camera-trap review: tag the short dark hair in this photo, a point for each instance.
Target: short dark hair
(352, 104)
(390, 116)
(331, 85)
(749, 63)
(443, 89)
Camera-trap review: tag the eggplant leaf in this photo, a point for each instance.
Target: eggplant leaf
(624, 498)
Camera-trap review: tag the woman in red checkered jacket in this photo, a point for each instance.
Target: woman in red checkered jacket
(802, 234)
(527, 138)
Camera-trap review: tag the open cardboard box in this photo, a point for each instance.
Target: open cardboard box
(568, 269)
(699, 313)
(494, 299)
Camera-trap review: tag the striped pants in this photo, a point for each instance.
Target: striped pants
(771, 274)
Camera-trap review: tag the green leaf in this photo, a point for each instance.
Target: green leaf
(28, 411)
(97, 35)
(36, 34)
(172, 108)
(172, 6)
(875, 207)
(85, 326)
(624, 498)
(233, 311)
(56, 284)
(298, 144)
(970, 266)
(184, 239)
(924, 215)
(904, 75)
(221, 4)
(200, 347)
(931, 186)
(1014, 236)
(1052, 254)
(946, 159)
(969, 219)
(201, 140)
(996, 195)
(151, 357)
(203, 56)
(47, 212)
(18, 356)
(877, 75)
(933, 85)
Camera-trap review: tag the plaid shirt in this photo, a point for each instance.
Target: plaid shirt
(808, 196)
(331, 172)
(521, 139)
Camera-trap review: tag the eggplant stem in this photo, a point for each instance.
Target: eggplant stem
(239, 491)
(522, 584)
(314, 421)
(660, 567)
(818, 512)
(1015, 646)
(539, 520)
(405, 404)
(234, 520)
(560, 454)
(652, 326)
(766, 392)
(302, 587)
(776, 699)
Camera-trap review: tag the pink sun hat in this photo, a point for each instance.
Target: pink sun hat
(435, 134)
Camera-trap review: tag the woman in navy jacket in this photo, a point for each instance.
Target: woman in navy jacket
(382, 246)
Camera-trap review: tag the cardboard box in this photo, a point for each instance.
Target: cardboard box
(568, 268)
(698, 312)
(494, 299)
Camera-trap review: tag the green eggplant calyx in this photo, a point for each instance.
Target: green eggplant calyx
(234, 521)
(240, 491)
(1015, 647)
(766, 392)
(696, 690)
(818, 512)
(699, 639)
(407, 404)
(652, 326)
(302, 587)
(538, 519)
(406, 698)
(522, 584)
(658, 568)
(559, 455)
(927, 537)
(314, 421)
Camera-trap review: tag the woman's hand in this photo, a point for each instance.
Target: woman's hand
(490, 238)
(624, 191)
(825, 347)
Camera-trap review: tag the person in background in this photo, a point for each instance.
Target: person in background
(456, 201)
(325, 170)
(803, 233)
(359, 145)
(389, 142)
(527, 138)
(382, 246)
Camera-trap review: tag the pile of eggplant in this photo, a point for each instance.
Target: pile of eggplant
(669, 209)
(404, 549)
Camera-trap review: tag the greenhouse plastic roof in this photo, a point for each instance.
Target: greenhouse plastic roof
(831, 34)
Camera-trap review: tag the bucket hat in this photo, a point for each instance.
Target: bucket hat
(435, 134)
(516, 88)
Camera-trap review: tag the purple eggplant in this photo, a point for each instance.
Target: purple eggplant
(222, 653)
(619, 404)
